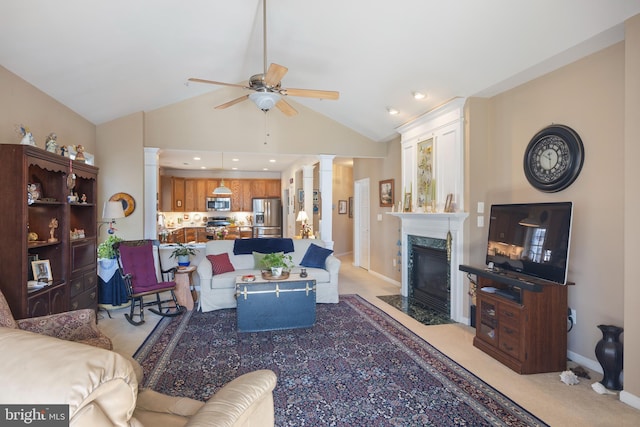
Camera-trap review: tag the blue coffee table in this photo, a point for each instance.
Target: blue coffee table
(267, 305)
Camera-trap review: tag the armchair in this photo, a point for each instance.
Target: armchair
(101, 388)
(79, 325)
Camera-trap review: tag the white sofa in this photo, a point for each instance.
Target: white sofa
(218, 291)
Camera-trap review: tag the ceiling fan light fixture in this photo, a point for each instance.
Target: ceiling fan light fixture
(265, 100)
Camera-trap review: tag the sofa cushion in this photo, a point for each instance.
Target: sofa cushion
(220, 263)
(315, 256)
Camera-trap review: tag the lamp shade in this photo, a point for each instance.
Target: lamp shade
(265, 100)
(302, 216)
(223, 189)
(113, 210)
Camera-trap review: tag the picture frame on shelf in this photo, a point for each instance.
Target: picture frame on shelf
(406, 207)
(342, 207)
(386, 193)
(42, 270)
(30, 259)
(448, 205)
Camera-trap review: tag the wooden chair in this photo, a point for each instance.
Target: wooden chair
(136, 263)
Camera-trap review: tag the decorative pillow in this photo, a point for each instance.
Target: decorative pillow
(221, 263)
(257, 259)
(315, 256)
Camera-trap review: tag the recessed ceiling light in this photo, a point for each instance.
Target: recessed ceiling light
(196, 158)
(265, 169)
(392, 111)
(272, 160)
(234, 169)
(203, 167)
(419, 95)
(235, 160)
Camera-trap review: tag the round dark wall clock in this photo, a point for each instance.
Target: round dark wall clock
(553, 159)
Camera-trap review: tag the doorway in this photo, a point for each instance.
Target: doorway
(361, 253)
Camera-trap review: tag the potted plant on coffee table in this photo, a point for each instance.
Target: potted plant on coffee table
(276, 262)
(181, 253)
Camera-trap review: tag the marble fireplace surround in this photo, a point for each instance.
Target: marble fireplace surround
(436, 226)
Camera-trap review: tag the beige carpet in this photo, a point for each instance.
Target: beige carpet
(542, 394)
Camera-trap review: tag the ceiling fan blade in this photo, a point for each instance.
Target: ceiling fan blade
(310, 93)
(233, 102)
(192, 79)
(286, 108)
(275, 74)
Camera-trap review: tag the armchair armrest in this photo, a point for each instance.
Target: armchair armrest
(245, 401)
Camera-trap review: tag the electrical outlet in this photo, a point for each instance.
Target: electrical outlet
(574, 316)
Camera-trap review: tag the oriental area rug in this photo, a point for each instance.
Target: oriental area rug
(356, 366)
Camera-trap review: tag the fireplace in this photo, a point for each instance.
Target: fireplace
(431, 230)
(430, 278)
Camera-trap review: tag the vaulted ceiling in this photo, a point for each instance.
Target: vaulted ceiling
(108, 59)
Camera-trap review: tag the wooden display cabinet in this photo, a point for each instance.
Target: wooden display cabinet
(525, 328)
(25, 228)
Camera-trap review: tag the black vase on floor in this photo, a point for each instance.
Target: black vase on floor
(609, 354)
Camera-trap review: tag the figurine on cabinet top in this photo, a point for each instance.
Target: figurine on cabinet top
(27, 136)
(53, 224)
(80, 153)
(51, 143)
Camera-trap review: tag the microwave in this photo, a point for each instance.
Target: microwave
(218, 203)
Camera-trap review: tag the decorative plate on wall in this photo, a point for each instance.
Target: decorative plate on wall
(128, 204)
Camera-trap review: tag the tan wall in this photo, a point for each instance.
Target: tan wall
(588, 96)
(384, 234)
(631, 208)
(121, 161)
(22, 103)
(194, 125)
(342, 225)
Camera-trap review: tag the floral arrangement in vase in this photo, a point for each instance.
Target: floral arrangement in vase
(221, 233)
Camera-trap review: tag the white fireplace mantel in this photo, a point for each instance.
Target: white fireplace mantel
(436, 226)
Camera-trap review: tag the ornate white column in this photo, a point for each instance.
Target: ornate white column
(326, 199)
(151, 189)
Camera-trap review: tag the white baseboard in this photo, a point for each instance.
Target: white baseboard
(630, 399)
(385, 278)
(584, 361)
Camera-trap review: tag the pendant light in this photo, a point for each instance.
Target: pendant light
(222, 189)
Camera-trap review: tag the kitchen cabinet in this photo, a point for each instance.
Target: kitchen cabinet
(177, 194)
(189, 194)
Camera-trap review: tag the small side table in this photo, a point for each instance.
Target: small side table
(183, 286)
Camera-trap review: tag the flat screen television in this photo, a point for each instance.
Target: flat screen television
(531, 239)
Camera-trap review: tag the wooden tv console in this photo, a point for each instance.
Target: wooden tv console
(521, 322)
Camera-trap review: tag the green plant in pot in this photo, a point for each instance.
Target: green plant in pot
(106, 252)
(182, 252)
(277, 262)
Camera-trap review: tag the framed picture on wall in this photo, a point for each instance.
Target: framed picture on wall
(342, 206)
(350, 207)
(386, 193)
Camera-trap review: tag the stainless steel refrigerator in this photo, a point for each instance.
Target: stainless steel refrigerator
(267, 217)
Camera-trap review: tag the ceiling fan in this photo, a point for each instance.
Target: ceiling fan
(266, 87)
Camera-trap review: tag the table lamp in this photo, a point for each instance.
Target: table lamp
(112, 210)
